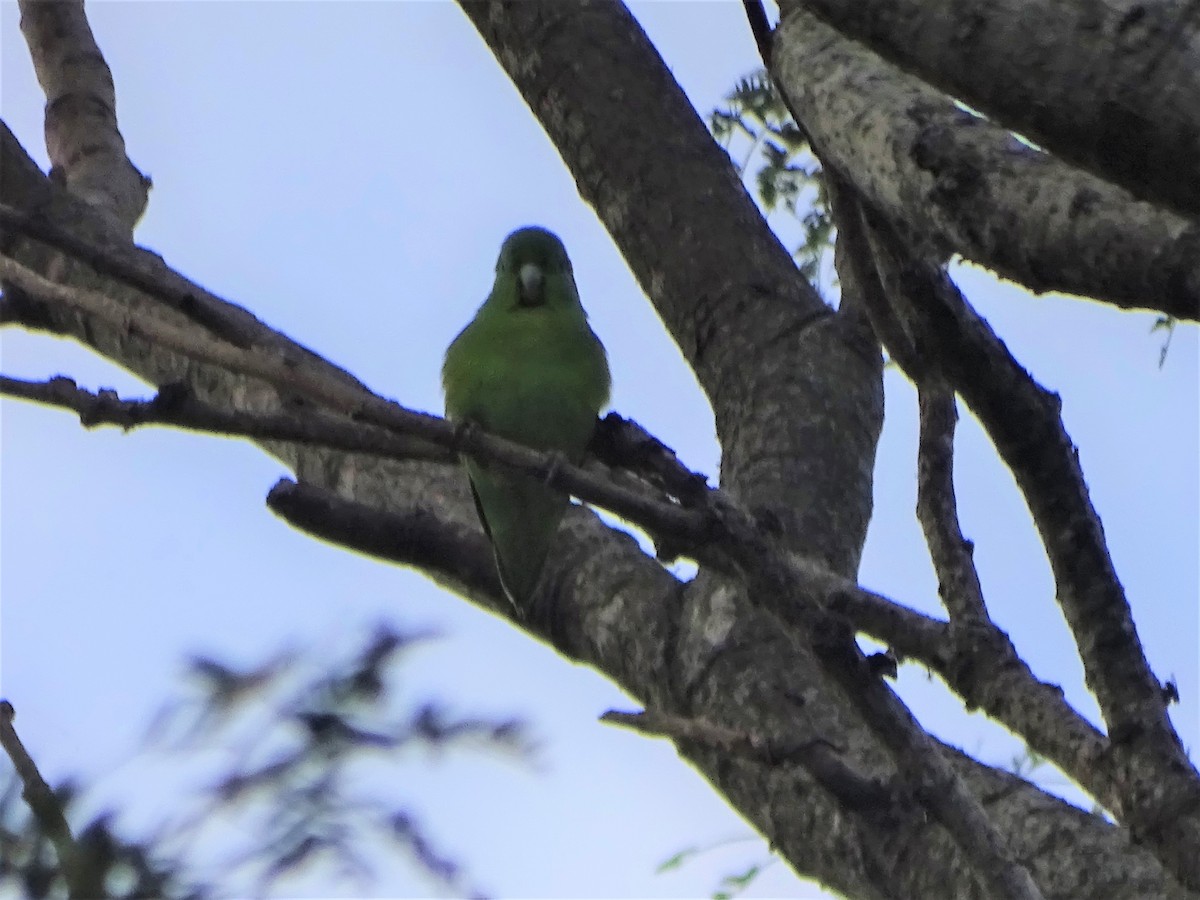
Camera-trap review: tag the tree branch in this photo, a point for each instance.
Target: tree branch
(981, 667)
(175, 405)
(760, 27)
(818, 757)
(926, 771)
(457, 556)
(420, 542)
(1135, 123)
(966, 186)
(47, 810)
(937, 510)
(399, 433)
(1159, 789)
(85, 147)
(974, 657)
(143, 270)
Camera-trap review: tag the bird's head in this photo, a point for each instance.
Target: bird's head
(534, 257)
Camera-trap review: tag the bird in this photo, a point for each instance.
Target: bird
(528, 368)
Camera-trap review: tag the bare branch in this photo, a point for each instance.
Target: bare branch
(937, 510)
(419, 541)
(394, 432)
(760, 27)
(175, 405)
(776, 586)
(975, 658)
(1159, 787)
(85, 147)
(282, 369)
(143, 270)
(461, 557)
(47, 810)
(1134, 121)
(457, 556)
(983, 668)
(969, 187)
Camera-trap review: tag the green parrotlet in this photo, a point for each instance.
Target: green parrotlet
(528, 368)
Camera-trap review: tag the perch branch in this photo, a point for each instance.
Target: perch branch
(402, 434)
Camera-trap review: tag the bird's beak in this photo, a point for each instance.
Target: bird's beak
(530, 283)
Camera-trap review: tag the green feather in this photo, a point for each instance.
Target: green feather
(528, 368)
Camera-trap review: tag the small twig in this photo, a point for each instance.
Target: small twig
(817, 756)
(176, 406)
(46, 809)
(760, 27)
(621, 442)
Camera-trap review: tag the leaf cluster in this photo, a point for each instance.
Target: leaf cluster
(776, 155)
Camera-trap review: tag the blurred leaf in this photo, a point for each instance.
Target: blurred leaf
(1167, 324)
(785, 175)
(741, 882)
(674, 862)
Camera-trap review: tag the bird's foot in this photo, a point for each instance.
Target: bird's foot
(554, 466)
(465, 431)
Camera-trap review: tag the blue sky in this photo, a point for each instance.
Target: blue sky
(347, 171)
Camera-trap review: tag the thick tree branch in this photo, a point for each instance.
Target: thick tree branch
(47, 810)
(86, 148)
(933, 780)
(457, 555)
(143, 270)
(819, 758)
(1116, 92)
(966, 186)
